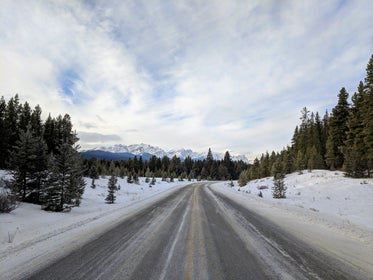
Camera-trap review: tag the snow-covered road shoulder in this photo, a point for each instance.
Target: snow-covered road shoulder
(324, 197)
(30, 237)
(324, 208)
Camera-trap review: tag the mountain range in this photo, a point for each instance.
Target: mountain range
(124, 152)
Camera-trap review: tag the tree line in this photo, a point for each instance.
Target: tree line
(166, 168)
(42, 156)
(340, 140)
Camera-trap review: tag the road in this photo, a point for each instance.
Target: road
(197, 233)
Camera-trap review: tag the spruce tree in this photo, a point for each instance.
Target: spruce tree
(3, 135)
(112, 188)
(279, 188)
(129, 178)
(66, 184)
(315, 160)
(28, 165)
(243, 178)
(337, 131)
(300, 162)
(368, 114)
(356, 163)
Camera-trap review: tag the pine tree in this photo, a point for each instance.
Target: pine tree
(337, 131)
(3, 134)
(279, 188)
(209, 157)
(112, 188)
(129, 178)
(11, 120)
(356, 162)
(93, 171)
(66, 183)
(28, 165)
(300, 162)
(315, 160)
(244, 178)
(36, 122)
(368, 114)
(25, 116)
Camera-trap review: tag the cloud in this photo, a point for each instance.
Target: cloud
(93, 138)
(221, 74)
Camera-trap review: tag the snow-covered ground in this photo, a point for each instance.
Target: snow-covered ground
(323, 197)
(316, 201)
(29, 235)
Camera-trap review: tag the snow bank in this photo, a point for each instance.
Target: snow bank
(29, 236)
(320, 196)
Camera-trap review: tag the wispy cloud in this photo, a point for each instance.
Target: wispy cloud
(220, 74)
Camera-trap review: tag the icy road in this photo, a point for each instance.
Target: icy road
(198, 232)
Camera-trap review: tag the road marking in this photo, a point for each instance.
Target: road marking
(170, 253)
(202, 250)
(201, 255)
(189, 268)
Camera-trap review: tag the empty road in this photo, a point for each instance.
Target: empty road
(197, 233)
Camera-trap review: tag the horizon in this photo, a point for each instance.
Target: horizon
(221, 75)
(232, 153)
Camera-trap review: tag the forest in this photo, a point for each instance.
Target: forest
(340, 140)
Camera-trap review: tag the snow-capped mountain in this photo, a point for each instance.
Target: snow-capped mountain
(145, 149)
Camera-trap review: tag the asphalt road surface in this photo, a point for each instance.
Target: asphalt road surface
(197, 233)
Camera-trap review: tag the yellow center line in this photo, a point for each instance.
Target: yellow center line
(202, 250)
(189, 268)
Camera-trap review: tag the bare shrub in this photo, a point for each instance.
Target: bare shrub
(262, 187)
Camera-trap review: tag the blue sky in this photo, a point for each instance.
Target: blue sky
(194, 74)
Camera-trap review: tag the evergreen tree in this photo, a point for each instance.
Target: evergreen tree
(288, 162)
(244, 178)
(50, 134)
(279, 188)
(112, 188)
(25, 116)
(315, 160)
(214, 171)
(355, 163)
(227, 161)
(368, 114)
(66, 183)
(223, 173)
(300, 162)
(129, 178)
(93, 171)
(28, 165)
(3, 134)
(36, 122)
(337, 131)
(209, 157)
(11, 121)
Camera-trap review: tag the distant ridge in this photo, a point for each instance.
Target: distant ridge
(125, 152)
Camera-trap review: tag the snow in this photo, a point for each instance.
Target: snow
(140, 149)
(29, 236)
(323, 197)
(324, 209)
(328, 206)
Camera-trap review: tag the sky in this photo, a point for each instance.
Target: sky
(184, 74)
